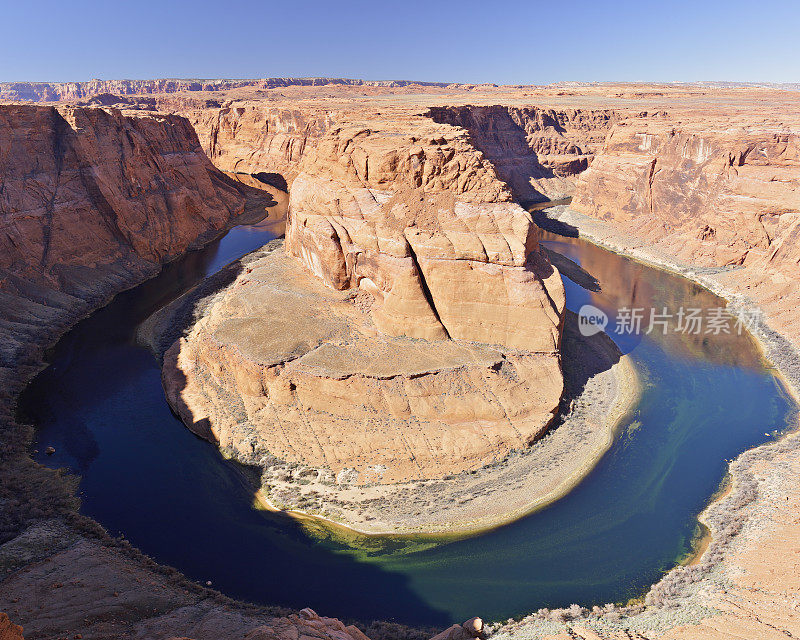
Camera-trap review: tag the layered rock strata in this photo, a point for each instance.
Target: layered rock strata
(714, 193)
(254, 137)
(440, 354)
(536, 151)
(91, 202)
(282, 369)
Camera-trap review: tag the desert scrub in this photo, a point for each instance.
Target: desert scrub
(30, 492)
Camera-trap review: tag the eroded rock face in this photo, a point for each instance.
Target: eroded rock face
(255, 138)
(282, 369)
(536, 151)
(724, 190)
(716, 192)
(418, 338)
(92, 200)
(86, 187)
(429, 232)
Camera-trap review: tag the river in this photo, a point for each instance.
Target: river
(143, 474)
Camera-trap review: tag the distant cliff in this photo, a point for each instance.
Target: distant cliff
(71, 91)
(536, 151)
(717, 192)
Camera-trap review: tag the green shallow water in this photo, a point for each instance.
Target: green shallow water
(706, 399)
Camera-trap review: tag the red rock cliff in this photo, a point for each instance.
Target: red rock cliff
(253, 137)
(416, 217)
(537, 151)
(713, 192)
(91, 202)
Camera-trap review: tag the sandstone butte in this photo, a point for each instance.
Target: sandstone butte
(443, 358)
(397, 197)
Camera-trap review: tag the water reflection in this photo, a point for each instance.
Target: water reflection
(630, 285)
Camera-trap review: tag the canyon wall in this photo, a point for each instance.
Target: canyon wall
(87, 187)
(252, 138)
(716, 193)
(536, 151)
(91, 203)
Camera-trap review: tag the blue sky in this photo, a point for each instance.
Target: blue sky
(466, 41)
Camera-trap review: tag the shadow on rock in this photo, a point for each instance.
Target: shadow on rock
(573, 270)
(582, 358)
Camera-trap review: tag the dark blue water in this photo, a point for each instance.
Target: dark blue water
(707, 398)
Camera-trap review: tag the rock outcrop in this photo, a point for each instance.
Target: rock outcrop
(472, 628)
(9, 630)
(289, 374)
(422, 224)
(434, 347)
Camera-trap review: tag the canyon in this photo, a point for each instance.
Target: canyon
(403, 230)
(711, 194)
